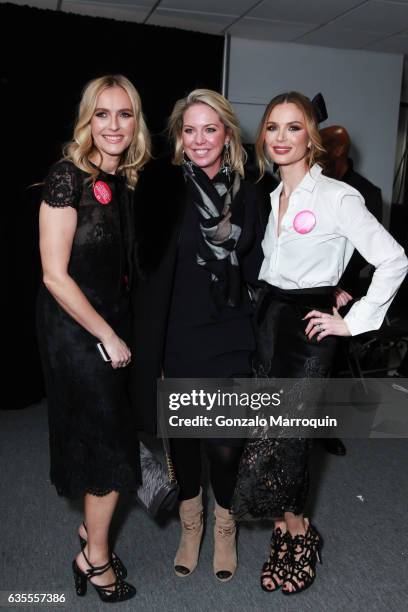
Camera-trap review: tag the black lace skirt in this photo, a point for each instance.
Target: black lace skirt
(273, 474)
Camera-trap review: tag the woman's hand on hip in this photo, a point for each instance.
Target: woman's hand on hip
(325, 324)
(342, 297)
(118, 351)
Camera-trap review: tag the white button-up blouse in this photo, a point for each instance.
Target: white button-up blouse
(314, 247)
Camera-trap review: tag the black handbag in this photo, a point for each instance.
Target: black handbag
(159, 489)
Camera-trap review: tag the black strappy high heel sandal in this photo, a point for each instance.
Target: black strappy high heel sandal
(305, 551)
(121, 592)
(276, 568)
(117, 565)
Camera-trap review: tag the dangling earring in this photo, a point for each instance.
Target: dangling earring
(226, 160)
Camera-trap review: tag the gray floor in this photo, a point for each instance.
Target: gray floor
(360, 506)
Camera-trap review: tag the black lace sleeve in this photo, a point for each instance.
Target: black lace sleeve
(62, 187)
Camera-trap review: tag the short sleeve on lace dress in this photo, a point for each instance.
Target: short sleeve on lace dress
(62, 187)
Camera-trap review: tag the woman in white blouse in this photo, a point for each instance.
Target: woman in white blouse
(314, 225)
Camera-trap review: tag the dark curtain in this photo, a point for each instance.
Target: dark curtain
(46, 59)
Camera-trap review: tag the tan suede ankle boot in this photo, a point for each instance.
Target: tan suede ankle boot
(225, 552)
(191, 516)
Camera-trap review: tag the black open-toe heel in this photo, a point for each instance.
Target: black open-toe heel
(121, 592)
(117, 565)
(276, 568)
(305, 551)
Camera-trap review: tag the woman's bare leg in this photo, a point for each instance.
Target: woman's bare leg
(98, 516)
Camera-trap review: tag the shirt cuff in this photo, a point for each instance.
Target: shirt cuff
(363, 317)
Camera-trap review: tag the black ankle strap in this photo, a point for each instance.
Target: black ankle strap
(95, 570)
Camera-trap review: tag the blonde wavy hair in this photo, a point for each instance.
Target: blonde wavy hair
(80, 147)
(316, 150)
(226, 113)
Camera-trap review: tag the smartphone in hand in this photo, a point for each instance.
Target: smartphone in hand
(103, 352)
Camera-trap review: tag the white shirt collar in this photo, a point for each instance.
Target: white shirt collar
(310, 179)
(308, 182)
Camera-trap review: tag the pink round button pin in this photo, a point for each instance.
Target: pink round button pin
(304, 221)
(102, 192)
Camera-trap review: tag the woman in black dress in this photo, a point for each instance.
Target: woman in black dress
(193, 313)
(86, 242)
(314, 225)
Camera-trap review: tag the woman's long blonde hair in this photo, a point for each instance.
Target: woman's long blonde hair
(316, 150)
(223, 108)
(80, 147)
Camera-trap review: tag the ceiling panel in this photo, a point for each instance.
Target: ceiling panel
(312, 11)
(376, 15)
(379, 25)
(130, 4)
(333, 36)
(269, 30)
(223, 7)
(392, 44)
(110, 11)
(199, 22)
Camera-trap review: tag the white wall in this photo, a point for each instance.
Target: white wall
(362, 90)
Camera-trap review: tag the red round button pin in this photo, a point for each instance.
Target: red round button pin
(102, 192)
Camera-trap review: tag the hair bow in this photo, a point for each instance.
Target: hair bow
(319, 106)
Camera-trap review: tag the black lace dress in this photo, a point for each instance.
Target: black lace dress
(92, 443)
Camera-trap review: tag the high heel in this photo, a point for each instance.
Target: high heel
(276, 567)
(80, 580)
(117, 565)
(121, 592)
(305, 551)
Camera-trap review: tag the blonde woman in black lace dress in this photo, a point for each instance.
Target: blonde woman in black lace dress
(86, 242)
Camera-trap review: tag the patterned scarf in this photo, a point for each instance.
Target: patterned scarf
(220, 204)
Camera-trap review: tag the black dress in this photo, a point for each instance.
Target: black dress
(92, 446)
(204, 340)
